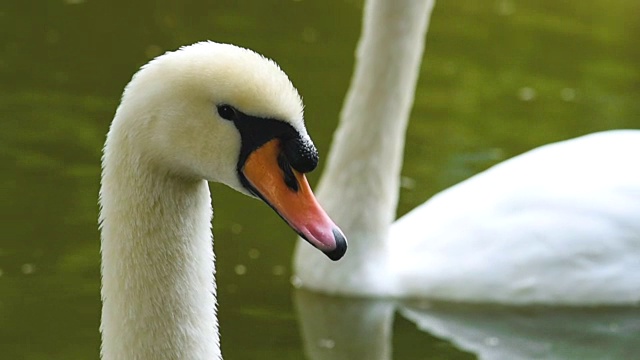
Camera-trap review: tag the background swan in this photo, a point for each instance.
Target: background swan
(557, 225)
(205, 112)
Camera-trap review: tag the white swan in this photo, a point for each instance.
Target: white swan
(205, 112)
(557, 225)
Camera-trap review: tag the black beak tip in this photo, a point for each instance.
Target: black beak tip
(341, 246)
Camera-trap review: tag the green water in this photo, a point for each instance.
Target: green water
(499, 78)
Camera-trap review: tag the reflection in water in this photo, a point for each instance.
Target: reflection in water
(498, 333)
(337, 328)
(343, 328)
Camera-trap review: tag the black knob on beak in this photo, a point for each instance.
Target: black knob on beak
(301, 154)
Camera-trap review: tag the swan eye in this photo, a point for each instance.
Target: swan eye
(227, 112)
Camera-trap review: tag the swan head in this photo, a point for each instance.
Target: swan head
(226, 114)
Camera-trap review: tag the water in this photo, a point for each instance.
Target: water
(499, 78)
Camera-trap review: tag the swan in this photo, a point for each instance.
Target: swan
(206, 112)
(556, 225)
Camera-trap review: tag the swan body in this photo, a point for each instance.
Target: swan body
(207, 112)
(557, 225)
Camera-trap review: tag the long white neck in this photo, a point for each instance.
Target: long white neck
(158, 288)
(359, 187)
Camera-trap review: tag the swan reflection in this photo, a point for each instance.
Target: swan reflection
(336, 328)
(340, 328)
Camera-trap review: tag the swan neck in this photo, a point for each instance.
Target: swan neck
(359, 186)
(365, 160)
(158, 287)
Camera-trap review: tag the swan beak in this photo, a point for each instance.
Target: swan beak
(289, 194)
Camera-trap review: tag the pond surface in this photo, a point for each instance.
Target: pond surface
(499, 78)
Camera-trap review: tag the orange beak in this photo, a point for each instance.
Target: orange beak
(289, 194)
